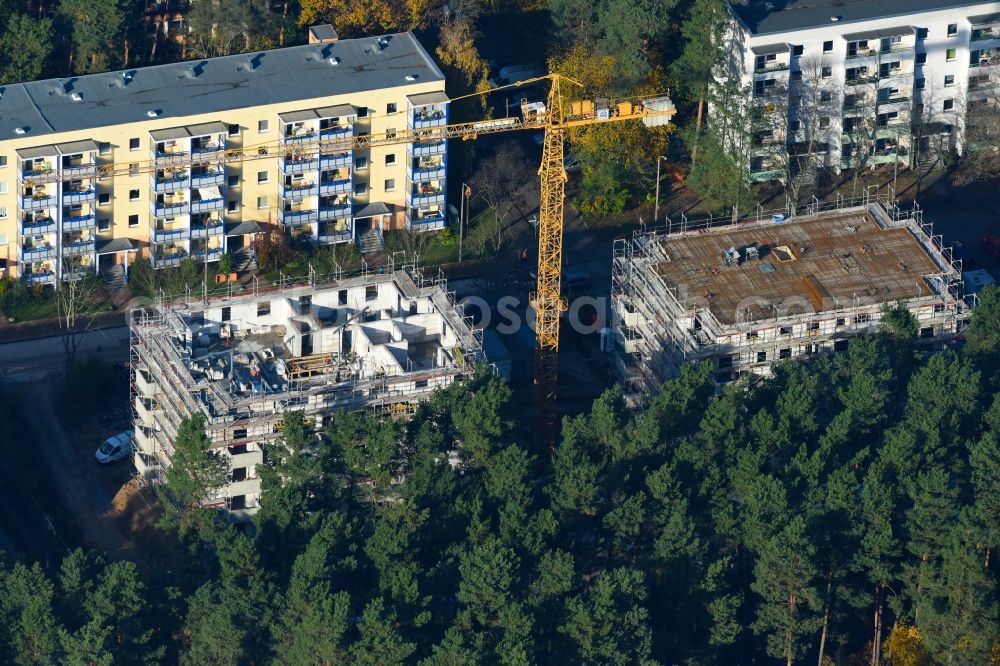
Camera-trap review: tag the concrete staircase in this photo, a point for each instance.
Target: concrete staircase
(370, 241)
(114, 277)
(244, 259)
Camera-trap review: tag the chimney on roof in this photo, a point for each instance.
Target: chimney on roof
(322, 34)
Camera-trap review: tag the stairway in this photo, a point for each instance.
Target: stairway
(114, 277)
(370, 241)
(244, 259)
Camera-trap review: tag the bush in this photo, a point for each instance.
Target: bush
(16, 294)
(226, 264)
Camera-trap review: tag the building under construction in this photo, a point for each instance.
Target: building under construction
(372, 341)
(744, 296)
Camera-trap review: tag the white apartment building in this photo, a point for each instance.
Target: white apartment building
(890, 79)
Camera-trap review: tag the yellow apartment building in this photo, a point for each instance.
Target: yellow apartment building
(174, 192)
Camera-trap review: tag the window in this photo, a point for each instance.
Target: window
(262, 177)
(263, 126)
(420, 383)
(3, 187)
(949, 80)
(390, 159)
(104, 198)
(261, 203)
(812, 326)
(793, 126)
(237, 502)
(264, 308)
(232, 205)
(237, 449)
(921, 33)
(825, 96)
(797, 75)
(950, 55)
(227, 313)
(103, 224)
(240, 433)
(862, 318)
(952, 29)
(3, 160)
(390, 133)
(305, 305)
(371, 292)
(133, 169)
(824, 122)
(133, 220)
(233, 181)
(827, 72)
(927, 332)
(390, 108)
(753, 335)
(234, 130)
(840, 345)
(841, 321)
(342, 297)
(360, 188)
(761, 357)
(919, 84)
(921, 58)
(104, 148)
(3, 211)
(133, 195)
(785, 353)
(390, 184)
(785, 330)
(725, 362)
(949, 104)
(239, 474)
(797, 50)
(133, 144)
(827, 46)
(361, 163)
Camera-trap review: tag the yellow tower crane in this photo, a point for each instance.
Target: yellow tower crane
(553, 119)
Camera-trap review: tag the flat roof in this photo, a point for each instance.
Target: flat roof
(764, 17)
(826, 262)
(216, 85)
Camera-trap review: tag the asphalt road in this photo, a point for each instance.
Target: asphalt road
(32, 360)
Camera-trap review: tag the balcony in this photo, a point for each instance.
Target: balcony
(295, 217)
(420, 174)
(298, 190)
(39, 173)
(207, 145)
(170, 208)
(335, 160)
(771, 67)
(429, 222)
(860, 81)
(428, 148)
(302, 136)
(213, 254)
(292, 165)
(79, 222)
(172, 157)
(336, 212)
(336, 132)
(339, 186)
(80, 247)
(36, 252)
(208, 179)
(78, 171)
(42, 277)
(207, 205)
(169, 184)
(38, 202)
(210, 228)
(425, 198)
(79, 196)
(38, 226)
(328, 237)
(164, 234)
(429, 117)
(168, 259)
(984, 34)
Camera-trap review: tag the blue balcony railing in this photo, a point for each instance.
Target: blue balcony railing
(332, 133)
(213, 254)
(428, 223)
(79, 171)
(329, 237)
(425, 199)
(37, 202)
(300, 138)
(298, 191)
(213, 228)
(36, 253)
(335, 160)
(43, 175)
(208, 179)
(297, 217)
(201, 149)
(207, 205)
(80, 196)
(79, 222)
(296, 166)
(423, 174)
(78, 248)
(427, 148)
(44, 277)
(335, 212)
(37, 227)
(167, 260)
(165, 185)
(429, 118)
(339, 186)
(165, 235)
(169, 209)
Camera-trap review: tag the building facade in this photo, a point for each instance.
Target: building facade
(189, 159)
(859, 83)
(744, 297)
(375, 341)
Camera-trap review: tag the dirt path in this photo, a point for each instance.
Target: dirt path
(75, 485)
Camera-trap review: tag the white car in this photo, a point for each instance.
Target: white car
(115, 448)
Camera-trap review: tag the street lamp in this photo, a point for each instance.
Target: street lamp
(656, 206)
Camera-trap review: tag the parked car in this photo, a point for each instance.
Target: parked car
(115, 448)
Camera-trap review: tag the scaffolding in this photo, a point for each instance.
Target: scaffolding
(659, 324)
(171, 382)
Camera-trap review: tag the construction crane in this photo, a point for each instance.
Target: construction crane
(553, 119)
